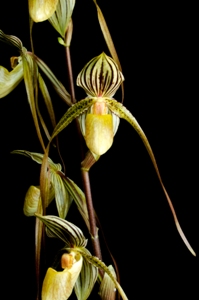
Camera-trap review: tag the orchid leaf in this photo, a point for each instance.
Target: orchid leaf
(108, 39)
(38, 157)
(95, 261)
(86, 280)
(28, 67)
(123, 113)
(62, 197)
(47, 100)
(70, 234)
(41, 10)
(9, 80)
(58, 86)
(62, 15)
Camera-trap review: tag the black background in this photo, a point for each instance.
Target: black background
(156, 47)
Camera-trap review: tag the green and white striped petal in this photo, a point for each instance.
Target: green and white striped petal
(11, 40)
(9, 80)
(107, 288)
(86, 280)
(70, 234)
(100, 77)
(62, 15)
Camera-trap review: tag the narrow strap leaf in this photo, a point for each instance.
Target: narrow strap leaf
(58, 86)
(29, 84)
(123, 113)
(47, 100)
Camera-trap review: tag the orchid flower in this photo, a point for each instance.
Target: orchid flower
(99, 115)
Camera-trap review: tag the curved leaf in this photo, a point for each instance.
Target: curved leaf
(123, 113)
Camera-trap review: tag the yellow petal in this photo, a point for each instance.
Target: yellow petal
(41, 10)
(9, 80)
(99, 133)
(59, 285)
(32, 199)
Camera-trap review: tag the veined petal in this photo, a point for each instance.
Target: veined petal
(100, 77)
(61, 17)
(59, 285)
(9, 80)
(41, 10)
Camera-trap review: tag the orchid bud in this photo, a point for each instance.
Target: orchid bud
(41, 10)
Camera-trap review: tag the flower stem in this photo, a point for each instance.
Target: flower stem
(85, 174)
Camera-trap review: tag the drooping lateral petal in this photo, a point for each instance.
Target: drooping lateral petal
(70, 234)
(95, 261)
(41, 10)
(72, 113)
(11, 40)
(59, 285)
(9, 80)
(123, 113)
(61, 17)
(100, 77)
(107, 288)
(86, 280)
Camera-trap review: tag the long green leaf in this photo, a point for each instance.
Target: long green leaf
(29, 84)
(58, 86)
(47, 100)
(123, 113)
(62, 196)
